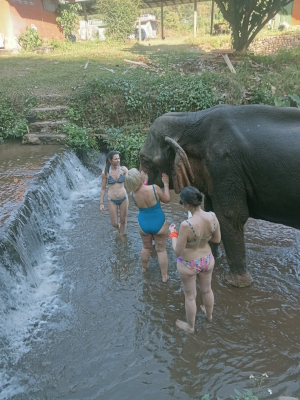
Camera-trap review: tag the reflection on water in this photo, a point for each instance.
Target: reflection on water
(120, 340)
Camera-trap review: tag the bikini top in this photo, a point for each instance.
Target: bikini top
(111, 180)
(196, 240)
(157, 205)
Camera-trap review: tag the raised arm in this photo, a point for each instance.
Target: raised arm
(216, 236)
(103, 190)
(124, 170)
(164, 195)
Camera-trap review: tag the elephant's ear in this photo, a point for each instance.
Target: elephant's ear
(182, 174)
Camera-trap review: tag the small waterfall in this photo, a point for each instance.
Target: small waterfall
(28, 276)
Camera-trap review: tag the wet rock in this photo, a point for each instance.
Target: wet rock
(31, 138)
(287, 398)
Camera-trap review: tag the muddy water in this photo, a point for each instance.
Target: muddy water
(109, 330)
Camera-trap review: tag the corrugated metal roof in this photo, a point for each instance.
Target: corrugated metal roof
(157, 3)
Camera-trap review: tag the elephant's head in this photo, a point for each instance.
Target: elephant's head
(162, 153)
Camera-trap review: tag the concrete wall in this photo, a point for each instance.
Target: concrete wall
(295, 20)
(16, 15)
(271, 44)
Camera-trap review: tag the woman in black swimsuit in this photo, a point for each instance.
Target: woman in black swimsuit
(113, 177)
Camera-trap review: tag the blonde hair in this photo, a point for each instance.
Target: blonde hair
(133, 180)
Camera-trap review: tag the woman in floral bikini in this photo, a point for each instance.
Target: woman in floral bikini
(195, 261)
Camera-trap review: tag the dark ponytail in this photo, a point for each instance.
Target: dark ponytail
(109, 157)
(191, 196)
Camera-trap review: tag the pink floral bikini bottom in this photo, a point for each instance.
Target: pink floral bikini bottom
(200, 265)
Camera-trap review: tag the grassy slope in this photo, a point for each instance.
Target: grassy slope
(62, 71)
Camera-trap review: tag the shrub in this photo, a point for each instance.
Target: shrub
(262, 95)
(12, 124)
(30, 39)
(68, 18)
(119, 16)
(79, 138)
(119, 101)
(128, 141)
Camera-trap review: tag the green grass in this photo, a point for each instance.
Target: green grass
(26, 76)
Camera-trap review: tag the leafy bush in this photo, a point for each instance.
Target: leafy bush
(119, 101)
(291, 100)
(262, 95)
(119, 16)
(12, 124)
(128, 141)
(79, 138)
(30, 39)
(248, 395)
(68, 18)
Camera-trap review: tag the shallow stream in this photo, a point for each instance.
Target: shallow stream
(79, 320)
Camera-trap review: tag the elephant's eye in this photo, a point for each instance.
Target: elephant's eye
(146, 159)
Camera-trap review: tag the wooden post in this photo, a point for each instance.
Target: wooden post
(140, 30)
(212, 16)
(195, 18)
(86, 20)
(162, 19)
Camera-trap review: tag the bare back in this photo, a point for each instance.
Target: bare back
(196, 232)
(145, 196)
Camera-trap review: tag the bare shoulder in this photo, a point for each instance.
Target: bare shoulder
(184, 225)
(103, 174)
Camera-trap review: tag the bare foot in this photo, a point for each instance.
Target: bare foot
(184, 326)
(204, 311)
(123, 238)
(165, 278)
(144, 269)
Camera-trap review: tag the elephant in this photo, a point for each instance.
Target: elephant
(244, 159)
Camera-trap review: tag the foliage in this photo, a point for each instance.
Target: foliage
(119, 16)
(247, 395)
(79, 138)
(30, 39)
(127, 140)
(291, 100)
(248, 17)
(171, 20)
(262, 95)
(12, 123)
(68, 18)
(119, 101)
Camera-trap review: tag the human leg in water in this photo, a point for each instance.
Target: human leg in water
(188, 279)
(160, 240)
(146, 249)
(204, 282)
(113, 213)
(123, 216)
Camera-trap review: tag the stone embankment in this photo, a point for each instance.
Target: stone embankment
(49, 122)
(272, 44)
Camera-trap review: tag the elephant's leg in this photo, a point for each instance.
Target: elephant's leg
(215, 248)
(234, 244)
(230, 206)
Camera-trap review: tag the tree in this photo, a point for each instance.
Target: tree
(68, 18)
(119, 17)
(248, 17)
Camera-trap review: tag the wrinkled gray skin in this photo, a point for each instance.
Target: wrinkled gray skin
(245, 159)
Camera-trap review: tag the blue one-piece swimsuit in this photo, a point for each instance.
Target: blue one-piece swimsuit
(151, 219)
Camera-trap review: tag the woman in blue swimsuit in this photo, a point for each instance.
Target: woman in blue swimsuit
(152, 220)
(113, 177)
(195, 261)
